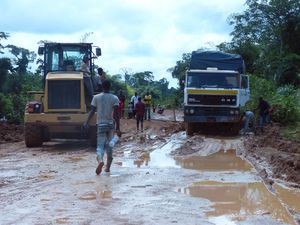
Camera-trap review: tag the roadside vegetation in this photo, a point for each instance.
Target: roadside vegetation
(266, 35)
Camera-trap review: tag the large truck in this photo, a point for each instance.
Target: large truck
(216, 88)
(61, 108)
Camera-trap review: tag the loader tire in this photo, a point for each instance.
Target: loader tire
(189, 127)
(33, 135)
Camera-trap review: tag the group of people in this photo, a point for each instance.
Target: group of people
(140, 109)
(110, 108)
(91, 84)
(265, 116)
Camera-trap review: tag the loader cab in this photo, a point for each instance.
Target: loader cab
(66, 56)
(67, 82)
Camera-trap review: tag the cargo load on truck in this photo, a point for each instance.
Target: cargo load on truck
(201, 60)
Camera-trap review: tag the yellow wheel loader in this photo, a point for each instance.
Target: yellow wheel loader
(59, 111)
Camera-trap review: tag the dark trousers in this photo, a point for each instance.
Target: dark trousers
(138, 120)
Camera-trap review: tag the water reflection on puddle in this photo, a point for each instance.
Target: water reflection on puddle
(238, 201)
(291, 197)
(219, 161)
(158, 158)
(103, 194)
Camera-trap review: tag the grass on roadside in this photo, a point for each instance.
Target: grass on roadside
(291, 132)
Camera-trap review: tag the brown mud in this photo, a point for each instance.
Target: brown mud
(275, 157)
(159, 176)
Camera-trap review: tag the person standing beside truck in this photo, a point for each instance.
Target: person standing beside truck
(107, 106)
(263, 107)
(248, 118)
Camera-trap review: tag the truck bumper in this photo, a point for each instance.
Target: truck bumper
(211, 119)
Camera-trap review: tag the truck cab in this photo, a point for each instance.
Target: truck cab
(214, 91)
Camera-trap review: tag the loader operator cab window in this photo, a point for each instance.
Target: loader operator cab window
(65, 57)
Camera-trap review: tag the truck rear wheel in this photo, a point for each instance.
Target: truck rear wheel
(33, 135)
(189, 127)
(235, 128)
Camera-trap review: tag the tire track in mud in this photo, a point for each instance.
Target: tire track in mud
(58, 185)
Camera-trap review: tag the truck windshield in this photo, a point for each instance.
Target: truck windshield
(64, 58)
(212, 80)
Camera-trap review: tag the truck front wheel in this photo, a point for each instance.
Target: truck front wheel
(189, 127)
(33, 135)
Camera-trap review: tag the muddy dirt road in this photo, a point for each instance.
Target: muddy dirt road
(160, 176)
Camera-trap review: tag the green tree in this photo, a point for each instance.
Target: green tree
(22, 58)
(142, 79)
(178, 71)
(266, 24)
(5, 67)
(3, 35)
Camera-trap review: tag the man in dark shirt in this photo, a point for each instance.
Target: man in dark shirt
(263, 107)
(140, 111)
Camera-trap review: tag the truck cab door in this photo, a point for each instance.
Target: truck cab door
(244, 91)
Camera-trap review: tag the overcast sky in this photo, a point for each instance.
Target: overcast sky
(136, 35)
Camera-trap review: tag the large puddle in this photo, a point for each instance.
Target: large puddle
(219, 161)
(237, 198)
(238, 201)
(230, 183)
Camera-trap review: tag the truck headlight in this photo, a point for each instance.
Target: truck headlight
(231, 112)
(192, 111)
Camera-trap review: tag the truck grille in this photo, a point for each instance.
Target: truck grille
(212, 100)
(64, 94)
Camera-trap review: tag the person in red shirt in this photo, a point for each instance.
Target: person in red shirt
(140, 111)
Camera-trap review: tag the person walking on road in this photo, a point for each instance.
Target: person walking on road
(108, 120)
(147, 100)
(140, 111)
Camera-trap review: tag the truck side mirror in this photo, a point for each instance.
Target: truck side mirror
(98, 51)
(41, 50)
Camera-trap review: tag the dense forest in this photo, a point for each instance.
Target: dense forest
(266, 35)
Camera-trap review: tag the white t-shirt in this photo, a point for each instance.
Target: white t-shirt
(104, 103)
(135, 100)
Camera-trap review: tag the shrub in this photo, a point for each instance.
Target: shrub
(286, 102)
(286, 99)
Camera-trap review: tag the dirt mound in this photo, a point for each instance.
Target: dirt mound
(10, 133)
(282, 155)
